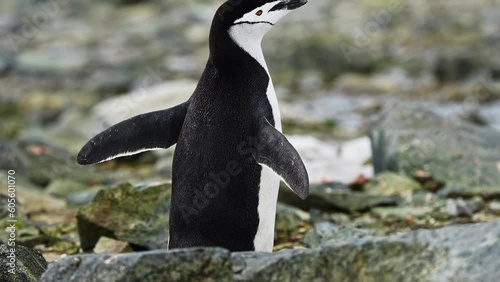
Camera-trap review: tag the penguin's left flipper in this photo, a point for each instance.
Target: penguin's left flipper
(275, 151)
(155, 130)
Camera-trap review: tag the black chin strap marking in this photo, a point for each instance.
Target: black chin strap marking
(254, 23)
(279, 6)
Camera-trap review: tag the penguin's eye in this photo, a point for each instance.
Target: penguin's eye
(259, 13)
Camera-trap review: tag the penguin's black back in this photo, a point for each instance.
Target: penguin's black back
(218, 132)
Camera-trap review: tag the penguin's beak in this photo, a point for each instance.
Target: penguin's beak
(295, 4)
(289, 5)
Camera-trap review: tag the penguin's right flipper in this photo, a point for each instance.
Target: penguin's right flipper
(274, 151)
(155, 130)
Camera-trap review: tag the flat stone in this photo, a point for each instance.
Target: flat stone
(329, 232)
(401, 213)
(456, 191)
(109, 245)
(211, 264)
(336, 196)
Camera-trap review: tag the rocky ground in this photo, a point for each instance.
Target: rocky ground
(393, 105)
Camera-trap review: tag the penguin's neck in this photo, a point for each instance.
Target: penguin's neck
(250, 40)
(230, 51)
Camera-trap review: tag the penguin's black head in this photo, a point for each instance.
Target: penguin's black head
(254, 15)
(243, 23)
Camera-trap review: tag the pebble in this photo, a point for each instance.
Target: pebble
(494, 207)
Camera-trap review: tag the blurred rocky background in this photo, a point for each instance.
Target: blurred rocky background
(394, 106)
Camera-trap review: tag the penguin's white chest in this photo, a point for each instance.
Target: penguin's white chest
(269, 181)
(268, 190)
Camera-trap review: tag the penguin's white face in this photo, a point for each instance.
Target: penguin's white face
(263, 17)
(249, 29)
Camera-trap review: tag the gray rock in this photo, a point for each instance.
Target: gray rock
(29, 264)
(136, 215)
(212, 264)
(348, 114)
(475, 204)
(455, 191)
(107, 245)
(81, 198)
(53, 61)
(288, 220)
(494, 207)
(65, 187)
(335, 196)
(403, 261)
(115, 109)
(6, 59)
(454, 253)
(9, 158)
(30, 199)
(458, 207)
(44, 107)
(401, 213)
(109, 82)
(329, 232)
(491, 113)
(392, 184)
(490, 28)
(143, 99)
(409, 139)
(42, 163)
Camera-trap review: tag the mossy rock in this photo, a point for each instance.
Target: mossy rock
(288, 222)
(336, 196)
(29, 264)
(392, 184)
(127, 213)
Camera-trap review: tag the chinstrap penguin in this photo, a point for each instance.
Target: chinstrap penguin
(230, 152)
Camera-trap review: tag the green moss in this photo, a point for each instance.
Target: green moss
(291, 126)
(126, 213)
(10, 128)
(392, 184)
